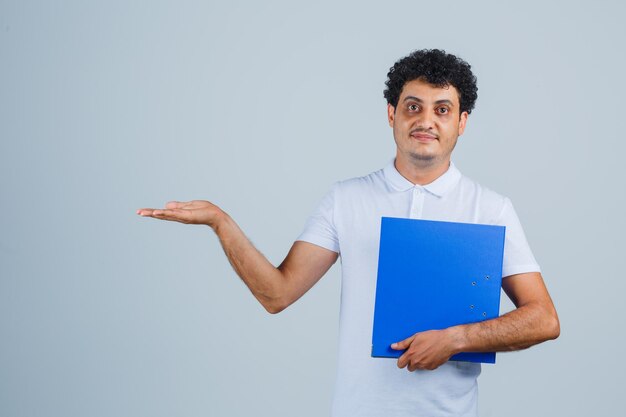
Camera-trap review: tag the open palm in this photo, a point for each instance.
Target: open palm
(188, 212)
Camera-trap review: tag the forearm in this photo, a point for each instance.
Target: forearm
(519, 329)
(263, 279)
(533, 321)
(274, 287)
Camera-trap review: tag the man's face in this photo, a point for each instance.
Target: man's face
(426, 122)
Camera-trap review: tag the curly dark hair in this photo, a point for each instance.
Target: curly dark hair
(437, 68)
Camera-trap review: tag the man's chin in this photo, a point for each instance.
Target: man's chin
(421, 157)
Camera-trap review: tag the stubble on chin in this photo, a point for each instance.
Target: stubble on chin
(423, 160)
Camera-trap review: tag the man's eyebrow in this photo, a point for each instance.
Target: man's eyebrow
(419, 100)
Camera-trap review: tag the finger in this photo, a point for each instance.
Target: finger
(173, 214)
(145, 211)
(404, 344)
(148, 211)
(403, 360)
(412, 368)
(200, 204)
(176, 204)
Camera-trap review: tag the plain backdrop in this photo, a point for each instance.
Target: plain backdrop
(106, 107)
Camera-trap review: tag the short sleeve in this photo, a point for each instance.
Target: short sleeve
(319, 228)
(518, 258)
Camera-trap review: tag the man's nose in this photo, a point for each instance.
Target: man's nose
(426, 120)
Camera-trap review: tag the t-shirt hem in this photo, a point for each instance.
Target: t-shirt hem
(316, 240)
(520, 269)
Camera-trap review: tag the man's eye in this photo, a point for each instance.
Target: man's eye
(413, 107)
(443, 110)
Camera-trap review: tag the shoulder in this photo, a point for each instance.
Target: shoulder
(360, 184)
(489, 203)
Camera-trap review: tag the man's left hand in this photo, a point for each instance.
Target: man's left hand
(426, 350)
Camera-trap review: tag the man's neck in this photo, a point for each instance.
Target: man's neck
(421, 174)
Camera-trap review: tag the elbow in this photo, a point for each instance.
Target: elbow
(555, 328)
(275, 306)
(277, 297)
(547, 323)
(276, 300)
(552, 326)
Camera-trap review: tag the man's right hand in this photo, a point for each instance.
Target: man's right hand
(274, 287)
(188, 212)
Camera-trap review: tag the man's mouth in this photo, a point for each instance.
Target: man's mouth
(423, 137)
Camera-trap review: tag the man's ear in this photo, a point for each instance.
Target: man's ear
(391, 112)
(462, 122)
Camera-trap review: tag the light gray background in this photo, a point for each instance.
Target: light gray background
(259, 106)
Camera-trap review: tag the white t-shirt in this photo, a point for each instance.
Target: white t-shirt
(348, 221)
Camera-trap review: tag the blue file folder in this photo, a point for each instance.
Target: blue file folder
(433, 275)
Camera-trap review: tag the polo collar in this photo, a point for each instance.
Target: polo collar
(438, 187)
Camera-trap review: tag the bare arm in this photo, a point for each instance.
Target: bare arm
(274, 287)
(533, 321)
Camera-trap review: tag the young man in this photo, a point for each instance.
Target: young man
(430, 95)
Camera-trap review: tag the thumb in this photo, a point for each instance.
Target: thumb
(403, 344)
(174, 205)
